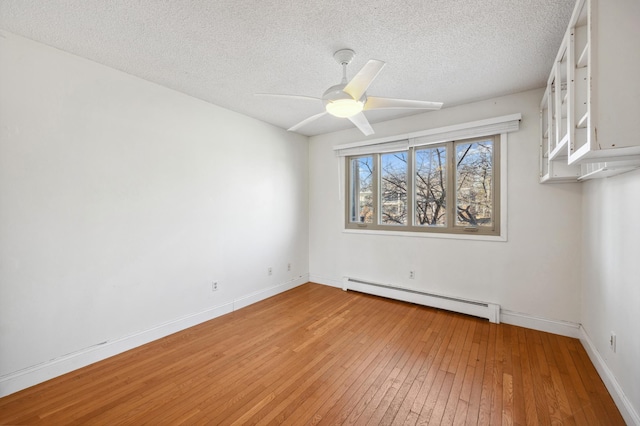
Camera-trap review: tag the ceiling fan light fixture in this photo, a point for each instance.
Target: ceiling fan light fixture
(344, 108)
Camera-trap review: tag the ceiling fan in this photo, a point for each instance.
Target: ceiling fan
(349, 99)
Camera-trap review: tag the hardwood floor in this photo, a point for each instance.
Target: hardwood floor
(319, 355)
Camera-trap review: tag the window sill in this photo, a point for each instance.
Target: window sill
(496, 238)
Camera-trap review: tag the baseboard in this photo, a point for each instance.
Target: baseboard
(269, 292)
(325, 281)
(630, 415)
(563, 328)
(490, 311)
(33, 375)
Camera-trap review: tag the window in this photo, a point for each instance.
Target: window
(447, 187)
(361, 177)
(393, 188)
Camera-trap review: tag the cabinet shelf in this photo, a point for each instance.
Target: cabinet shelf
(607, 169)
(549, 178)
(614, 154)
(559, 172)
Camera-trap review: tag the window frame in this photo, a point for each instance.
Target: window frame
(411, 227)
(350, 193)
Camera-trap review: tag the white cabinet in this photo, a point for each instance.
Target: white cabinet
(591, 105)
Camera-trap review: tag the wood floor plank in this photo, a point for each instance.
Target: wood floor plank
(462, 411)
(481, 338)
(435, 379)
(526, 377)
(488, 381)
(441, 401)
(518, 400)
(460, 374)
(319, 355)
(507, 399)
(414, 385)
(401, 387)
(496, 411)
(540, 370)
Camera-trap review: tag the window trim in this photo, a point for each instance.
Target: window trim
(494, 126)
(474, 129)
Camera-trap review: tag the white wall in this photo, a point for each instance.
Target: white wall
(611, 289)
(536, 272)
(121, 201)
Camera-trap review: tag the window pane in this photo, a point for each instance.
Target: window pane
(431, 181)
(361, 196)
(474, 183)
(393, 188)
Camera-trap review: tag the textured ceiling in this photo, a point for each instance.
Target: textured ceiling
(224, 51)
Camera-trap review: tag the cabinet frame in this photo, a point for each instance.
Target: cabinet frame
(589, 109)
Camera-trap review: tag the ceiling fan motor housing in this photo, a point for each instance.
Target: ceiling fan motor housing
(340, 104)
(334, 93)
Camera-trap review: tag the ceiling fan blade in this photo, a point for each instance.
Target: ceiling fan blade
(361, 81)
(362, 123)
(277, 95)
(306, 121)
(374, 102)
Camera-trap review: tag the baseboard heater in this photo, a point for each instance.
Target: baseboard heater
(490, 311)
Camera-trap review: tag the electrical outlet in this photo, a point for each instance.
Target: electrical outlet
(270, 271)
(612, 342)
(289, 267)
(412, 274)
(214, 286)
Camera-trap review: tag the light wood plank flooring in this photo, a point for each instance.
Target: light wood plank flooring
(319, 355)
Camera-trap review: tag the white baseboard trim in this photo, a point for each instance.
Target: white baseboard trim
(630, 415)
(563, 328)
(22, 379)
(490, 311)
(269, 292)
(325, 281)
